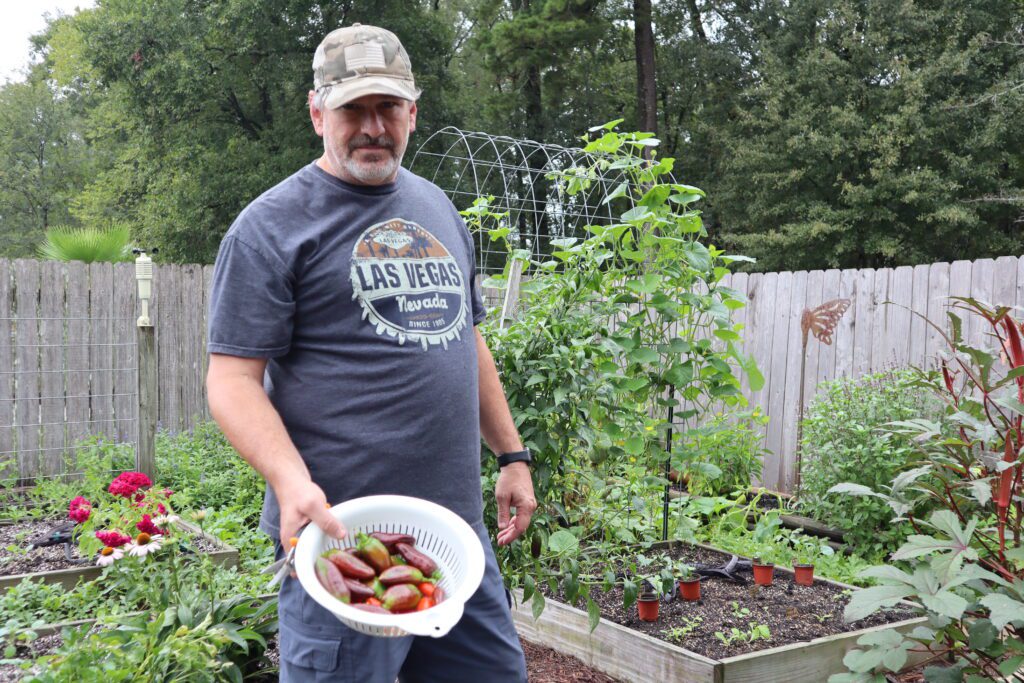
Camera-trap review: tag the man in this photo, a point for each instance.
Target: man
(345, 362)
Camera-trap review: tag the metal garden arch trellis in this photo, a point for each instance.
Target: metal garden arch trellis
(523, 177)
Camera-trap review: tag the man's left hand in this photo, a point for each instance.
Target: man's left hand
(514, 490)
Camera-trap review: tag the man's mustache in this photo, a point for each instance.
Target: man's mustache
(384, 141)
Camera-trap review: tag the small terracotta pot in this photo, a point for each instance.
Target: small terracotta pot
(804, 574)
(763, 573)
(689, 589)
(647, 606)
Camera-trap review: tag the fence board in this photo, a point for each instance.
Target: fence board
(938, 293)
(101, 356)
(125, 377)
(864, 325)
(879, 331)
(79, 410)
(919, 307)
(897, 314)
(1004, 281)
(762, 289)
(826, 353)
(777, 391)
(844, 338)
(787, 443)
(51, 364)
(26, 351)
(815, 352)
(192, 289)
(8, 454)
(980, 332)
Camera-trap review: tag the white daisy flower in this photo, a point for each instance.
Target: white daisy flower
(144, 544)
(108, 555)
(161, 520)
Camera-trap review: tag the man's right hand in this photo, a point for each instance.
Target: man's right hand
(305, 502)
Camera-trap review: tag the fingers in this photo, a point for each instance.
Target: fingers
(329, 524)
(504, 500)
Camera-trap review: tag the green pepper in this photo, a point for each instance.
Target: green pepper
(373, 552)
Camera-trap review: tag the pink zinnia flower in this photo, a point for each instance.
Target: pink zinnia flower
(113, 539)
(79, 509)
(161, 508)
(127, 483)
(147, 526)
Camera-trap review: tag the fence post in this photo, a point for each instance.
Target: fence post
(145, 336)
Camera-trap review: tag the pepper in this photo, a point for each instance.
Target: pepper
(416, 558)
(438, 594)
(332, 580)
(375, 609)
(389, 540)
(424, 603)
(400, 574)
(377, 587)
(349, 565)
(373, 552)
(397, 559)
(401, 598)
(360, 591)
(426, 588)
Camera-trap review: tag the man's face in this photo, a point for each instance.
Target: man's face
(365, 139)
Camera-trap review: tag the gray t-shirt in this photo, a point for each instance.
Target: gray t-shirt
(363, 299)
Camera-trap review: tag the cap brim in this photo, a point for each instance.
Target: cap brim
(343, 93)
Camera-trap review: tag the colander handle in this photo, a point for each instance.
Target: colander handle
(434, 622)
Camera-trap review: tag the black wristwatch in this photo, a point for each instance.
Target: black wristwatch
(517, 456)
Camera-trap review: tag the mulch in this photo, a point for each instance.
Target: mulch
(15, 558)
(791, 612)
(543, 664)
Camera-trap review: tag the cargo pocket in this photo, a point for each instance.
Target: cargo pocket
(319, 654)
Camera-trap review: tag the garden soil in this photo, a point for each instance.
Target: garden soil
(47, 558)
(792, 613)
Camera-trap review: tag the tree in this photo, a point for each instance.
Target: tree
(863, 142)
(43, 162)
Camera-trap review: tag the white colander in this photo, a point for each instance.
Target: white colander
(440, 534)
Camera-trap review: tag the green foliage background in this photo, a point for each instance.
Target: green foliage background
(828, 133)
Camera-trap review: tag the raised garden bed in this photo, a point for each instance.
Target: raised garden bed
(50, 563)
(807, 642)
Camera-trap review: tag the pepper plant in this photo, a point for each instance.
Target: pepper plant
(624, 334)
(966, 560)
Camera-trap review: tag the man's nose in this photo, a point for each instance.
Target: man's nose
(373, 123)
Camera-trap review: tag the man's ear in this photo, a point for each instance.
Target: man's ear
(315, 115)
(412, 118)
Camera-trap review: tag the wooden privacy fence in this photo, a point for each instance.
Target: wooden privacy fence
(68, 361)
(870, 336)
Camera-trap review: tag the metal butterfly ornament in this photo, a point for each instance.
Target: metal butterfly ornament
(822, 321)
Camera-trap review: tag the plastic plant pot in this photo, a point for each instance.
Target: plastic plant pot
(647, 606)
(689, 589)
(763, 572)
(804, 574)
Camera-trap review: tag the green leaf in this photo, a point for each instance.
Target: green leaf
(1008, 667)
(635, 445)
(982, 634)
(698, 256)
(644, 355)
(563, 542)
(528, 587)
(867, 601)
(941, 674)
(629, 593)
(593, 614)
(1003, 609)
(946, 603)
(680, 375)
(538, 605)
(648, 284)
(535, 378)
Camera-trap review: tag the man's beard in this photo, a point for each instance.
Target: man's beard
(373, 171)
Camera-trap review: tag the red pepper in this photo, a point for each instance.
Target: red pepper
(332, 580)
(416, 558)
(424, 603)
(426, 588)
(389, 540)
(350, 565)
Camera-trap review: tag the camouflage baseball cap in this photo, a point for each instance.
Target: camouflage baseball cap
(361, 60)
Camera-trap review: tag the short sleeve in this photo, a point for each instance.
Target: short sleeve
(251, 303)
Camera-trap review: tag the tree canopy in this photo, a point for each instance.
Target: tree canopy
(828, 133)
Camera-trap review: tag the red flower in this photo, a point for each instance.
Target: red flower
(168, 493)
(161, 509)
(146, 526)
(113, 539)
(79, 509)
(127, 483)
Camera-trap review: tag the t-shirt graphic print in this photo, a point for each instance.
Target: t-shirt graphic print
(408, 284)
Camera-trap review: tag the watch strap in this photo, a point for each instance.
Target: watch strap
(516, 456)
